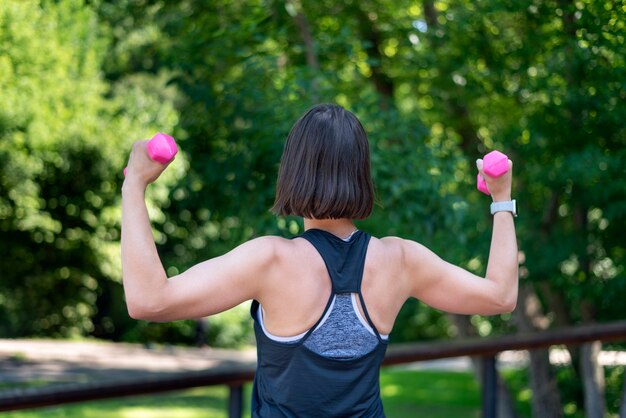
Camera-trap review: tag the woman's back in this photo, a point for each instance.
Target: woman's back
(298, 289)
(337, 358)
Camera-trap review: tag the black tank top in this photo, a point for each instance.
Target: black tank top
(293, 381)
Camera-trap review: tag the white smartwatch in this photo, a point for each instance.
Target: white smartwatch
(507, 206)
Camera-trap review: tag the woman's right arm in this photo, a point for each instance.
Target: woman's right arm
(206, 288)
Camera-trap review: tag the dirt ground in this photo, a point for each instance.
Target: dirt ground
(61, 361)
(53, 361)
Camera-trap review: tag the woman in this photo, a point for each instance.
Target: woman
(323, 302)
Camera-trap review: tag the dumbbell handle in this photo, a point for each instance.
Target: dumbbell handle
(495, 164)
(161, 148)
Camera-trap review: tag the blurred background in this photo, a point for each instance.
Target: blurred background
(436, 85)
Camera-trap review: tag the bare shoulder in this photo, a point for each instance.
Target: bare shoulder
(278, 245)
(387, 246)
(409, 256)
(400, 246)
(408, 247)
(269, 242)
(387, 252)
(269, 248)
(280, 252)
(391, 242)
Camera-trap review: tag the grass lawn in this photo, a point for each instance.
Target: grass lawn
(405, 393)
(431, 394)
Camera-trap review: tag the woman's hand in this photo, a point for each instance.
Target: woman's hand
(141, 168)
(499, 187)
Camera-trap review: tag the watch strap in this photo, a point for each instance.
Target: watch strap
(505, 206)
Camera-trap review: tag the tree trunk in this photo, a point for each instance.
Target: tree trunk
(622, 408)
(593, 379)
(546, 400)
(372, 41)
(505, 407)
(302, 23)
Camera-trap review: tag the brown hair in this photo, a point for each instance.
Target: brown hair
(325, 167)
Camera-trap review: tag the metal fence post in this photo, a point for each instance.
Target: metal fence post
(235, 401)
(490, 387)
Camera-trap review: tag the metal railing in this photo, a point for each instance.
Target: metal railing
(236, 374)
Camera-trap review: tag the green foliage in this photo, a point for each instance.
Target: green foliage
(230, 329)
(517, 381)
(63, 134)
(244, 81)
(435, 84)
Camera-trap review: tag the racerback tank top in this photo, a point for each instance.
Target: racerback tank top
(294, 381)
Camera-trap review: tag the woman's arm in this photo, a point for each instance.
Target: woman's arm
(209, 287)
(143, 274)
(453, 289)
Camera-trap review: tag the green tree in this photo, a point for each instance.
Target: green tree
(247, 71)
(64, 135)
(542, 82)
(436, 85)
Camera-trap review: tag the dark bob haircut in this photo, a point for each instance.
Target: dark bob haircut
(325, 168)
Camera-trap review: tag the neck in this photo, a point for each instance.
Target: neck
(341, 228)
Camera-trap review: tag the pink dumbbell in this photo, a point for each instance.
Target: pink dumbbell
(495, 164)
(161, 148)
